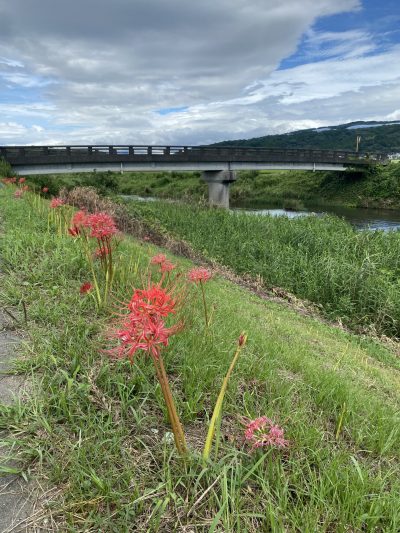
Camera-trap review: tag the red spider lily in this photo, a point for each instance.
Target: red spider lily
(153, 301)
(77, 222)
(263, 432)
(21, 180)
(199, 275)
(19, 193)
(150, 334)
(144, 329)
(56, 202)
(25, 188)
(167, 266)
(158, 259)
(45, 189)
(9, 180)
(144, 333)
(79, 219)
(101, 225)
(86, 287)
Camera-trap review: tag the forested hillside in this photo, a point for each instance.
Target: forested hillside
(375, 136)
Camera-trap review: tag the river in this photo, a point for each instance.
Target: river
(374, 219)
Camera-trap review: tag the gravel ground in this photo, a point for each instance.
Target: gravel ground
(15, 505)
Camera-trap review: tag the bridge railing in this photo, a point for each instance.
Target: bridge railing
(41, 154)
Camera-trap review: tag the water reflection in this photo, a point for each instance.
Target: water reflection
(374, 219)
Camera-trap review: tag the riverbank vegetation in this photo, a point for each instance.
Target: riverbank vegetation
(353, 275)
(378, 187)
(94, 432)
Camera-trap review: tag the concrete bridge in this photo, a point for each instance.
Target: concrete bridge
(217, 164)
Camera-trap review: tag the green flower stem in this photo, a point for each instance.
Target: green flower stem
(218, 406)
(177, 430)
(90, 261)
(204, 303)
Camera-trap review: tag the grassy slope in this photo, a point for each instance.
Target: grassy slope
(162, 184)
(95, 428)
(378, 188)
(353, 275)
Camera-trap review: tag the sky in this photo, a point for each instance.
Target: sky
(183, 72)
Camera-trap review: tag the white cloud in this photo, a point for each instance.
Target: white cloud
(102, 70)
(395, 115)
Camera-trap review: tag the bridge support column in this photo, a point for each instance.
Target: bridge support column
(218, 186)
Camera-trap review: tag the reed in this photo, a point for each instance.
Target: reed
(353, 274)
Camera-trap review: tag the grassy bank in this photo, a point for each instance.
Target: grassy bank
(379, 187)
(161, 184)
(353, 275)
(94, 431)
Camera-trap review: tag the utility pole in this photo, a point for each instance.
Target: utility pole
(358, 140)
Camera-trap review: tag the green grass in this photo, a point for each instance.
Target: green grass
(95, 428)
(378, 187)
(354, 275)
(161, 184)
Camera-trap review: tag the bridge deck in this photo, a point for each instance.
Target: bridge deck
(26, 156)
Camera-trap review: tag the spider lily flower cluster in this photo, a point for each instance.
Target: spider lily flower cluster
(164, 265)
(9, 181)
(19, 182)
(143, 328)
(101, 227)
(58, 215)
(145, 323)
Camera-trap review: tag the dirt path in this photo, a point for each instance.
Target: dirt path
(15, 505)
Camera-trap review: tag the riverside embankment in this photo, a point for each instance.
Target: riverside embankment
(353, 275)
(95, 432)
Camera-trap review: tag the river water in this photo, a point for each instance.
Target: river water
(382, 219)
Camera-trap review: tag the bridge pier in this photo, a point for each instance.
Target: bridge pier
(218, 186)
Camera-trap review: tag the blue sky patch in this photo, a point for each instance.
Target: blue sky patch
(170, 110)
(374, 28)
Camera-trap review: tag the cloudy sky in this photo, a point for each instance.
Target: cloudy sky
(185, 72)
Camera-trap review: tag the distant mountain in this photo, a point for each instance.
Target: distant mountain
(375, 137)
